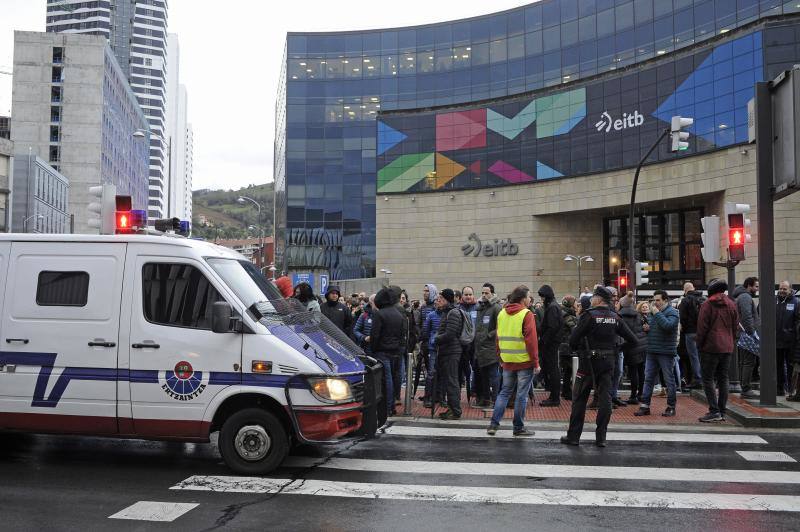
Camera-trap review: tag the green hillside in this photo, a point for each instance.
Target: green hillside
(226, 218)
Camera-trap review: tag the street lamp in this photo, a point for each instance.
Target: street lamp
(386, 273)
(273, 269)
(25, 221)
(242, 200)
(579, 260)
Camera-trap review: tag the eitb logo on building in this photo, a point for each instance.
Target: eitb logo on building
(628, 120)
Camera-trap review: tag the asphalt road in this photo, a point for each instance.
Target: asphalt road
(417, 475)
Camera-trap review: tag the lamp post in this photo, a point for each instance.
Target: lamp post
(25, 221)
(242, 200)
(579, 260)
(386, 273)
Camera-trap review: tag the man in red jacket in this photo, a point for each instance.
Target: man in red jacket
(716, 339)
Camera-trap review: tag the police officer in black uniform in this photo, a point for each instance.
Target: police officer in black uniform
(595, 338)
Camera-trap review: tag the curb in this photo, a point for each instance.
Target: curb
(750, 420)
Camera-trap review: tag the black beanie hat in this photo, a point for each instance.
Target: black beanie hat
(449, 295)
(717, 286)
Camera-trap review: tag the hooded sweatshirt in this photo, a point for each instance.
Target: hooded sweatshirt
(389, 333)
(427, 307)
(531, 340)
(552, 322)
(717, 325)
(337, 312)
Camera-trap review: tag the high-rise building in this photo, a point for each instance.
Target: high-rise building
(137, 33)
(41, 197)
(178, 176)
(189, 169)
(73, 107)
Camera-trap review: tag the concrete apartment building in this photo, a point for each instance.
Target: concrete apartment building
(72, 105)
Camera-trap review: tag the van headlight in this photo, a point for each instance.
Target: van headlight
(331, 389)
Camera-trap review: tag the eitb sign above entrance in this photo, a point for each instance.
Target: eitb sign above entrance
(496, 248)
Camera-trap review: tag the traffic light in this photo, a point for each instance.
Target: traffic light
(680, 138)
(124, 220)
(101, 208)
(642, 271)
(622, 281)
(738, 229)
(710, 236)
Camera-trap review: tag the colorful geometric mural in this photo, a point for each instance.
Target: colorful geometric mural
(461, 130)
(405, 172)
(597, 127)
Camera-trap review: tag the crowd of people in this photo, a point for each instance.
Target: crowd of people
(501, 348)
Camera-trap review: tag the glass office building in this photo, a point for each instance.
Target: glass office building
(555, 89)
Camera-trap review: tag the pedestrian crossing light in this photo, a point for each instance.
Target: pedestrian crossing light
(738, 229)
(642, 271)
(622, 280)
(680, 138)
(102, 207)
(710, 236)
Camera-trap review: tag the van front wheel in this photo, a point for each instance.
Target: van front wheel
(253, 442)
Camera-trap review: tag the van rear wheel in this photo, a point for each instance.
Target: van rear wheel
(253, 442)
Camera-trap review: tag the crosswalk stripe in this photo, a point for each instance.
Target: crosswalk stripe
(461, 494)
(154, 511)
(407, 430)
(765, 456)
(551, 471)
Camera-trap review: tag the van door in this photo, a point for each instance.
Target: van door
(60, 329)
(177, 363)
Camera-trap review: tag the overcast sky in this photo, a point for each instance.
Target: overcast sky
(230, 63)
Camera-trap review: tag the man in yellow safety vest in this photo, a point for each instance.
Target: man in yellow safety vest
(519, 357)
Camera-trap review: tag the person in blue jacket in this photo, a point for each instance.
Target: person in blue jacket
(662, 347)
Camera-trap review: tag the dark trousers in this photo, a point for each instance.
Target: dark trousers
(782, 358)
(388, 382)
(487, 382)
(636, 374)
(603, 368)
(747, 361)
(566, 376)
(550, 369)
(714, 366)
(448, 373)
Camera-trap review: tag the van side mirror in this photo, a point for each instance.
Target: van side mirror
(221, 314)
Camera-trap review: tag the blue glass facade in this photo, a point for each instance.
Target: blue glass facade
(334, 85)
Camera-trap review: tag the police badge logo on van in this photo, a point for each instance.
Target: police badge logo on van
(183, 383)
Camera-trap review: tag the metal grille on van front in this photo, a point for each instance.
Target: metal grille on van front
(287, 369)
(358, 391)
(312, 325)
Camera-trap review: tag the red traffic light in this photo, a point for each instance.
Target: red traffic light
(123, 221)
(622, 279)
(736, 237)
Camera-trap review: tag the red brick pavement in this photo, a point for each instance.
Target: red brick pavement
(687, 412)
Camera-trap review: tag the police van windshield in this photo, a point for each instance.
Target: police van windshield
(247, 282)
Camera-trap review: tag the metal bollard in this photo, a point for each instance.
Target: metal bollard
(409, 388)
(575, 362)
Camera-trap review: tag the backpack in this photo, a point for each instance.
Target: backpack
(696, 302)
(467, 335)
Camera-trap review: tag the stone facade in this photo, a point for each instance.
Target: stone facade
(420, 236)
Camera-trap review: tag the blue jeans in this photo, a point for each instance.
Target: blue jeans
(617, 376)
(510, 379)
(694, 356)
(387, 362)
(654, 362)
(677, 373)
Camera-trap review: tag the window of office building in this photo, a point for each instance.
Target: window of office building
(668, 241)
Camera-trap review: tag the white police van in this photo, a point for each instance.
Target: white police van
(156, 336)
